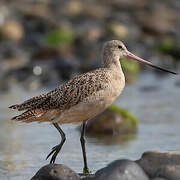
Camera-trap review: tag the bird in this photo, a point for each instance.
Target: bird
(81, 98)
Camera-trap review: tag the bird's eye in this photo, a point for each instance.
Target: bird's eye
(119, 46)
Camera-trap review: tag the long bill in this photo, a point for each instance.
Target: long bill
(132, 56)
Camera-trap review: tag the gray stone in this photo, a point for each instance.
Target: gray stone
(152, 161)
(120, 170)
(55, 172)
(114, 120)
(169, 172)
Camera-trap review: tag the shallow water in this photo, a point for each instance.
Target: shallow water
(155, 102)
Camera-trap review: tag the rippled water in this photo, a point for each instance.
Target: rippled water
(155, 102)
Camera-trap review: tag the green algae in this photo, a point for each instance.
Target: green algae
(170, 47)
(130, 119)
(59, 36)
(130, 69)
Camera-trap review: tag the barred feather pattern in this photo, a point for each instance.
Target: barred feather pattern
(65, 96)
(29, 104)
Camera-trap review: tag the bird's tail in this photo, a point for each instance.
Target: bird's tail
(30, 103)
(29, 116)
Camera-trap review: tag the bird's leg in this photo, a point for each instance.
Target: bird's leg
(56, 149)
(82, 139)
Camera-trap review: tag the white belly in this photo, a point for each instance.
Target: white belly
(91, 106)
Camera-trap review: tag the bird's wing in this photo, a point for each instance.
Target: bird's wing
(68, 94)
(31, 103)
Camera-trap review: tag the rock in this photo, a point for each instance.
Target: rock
(4, 13)
(87, 176)
(74, 7)
(66, 67)
(39, 9)
(159, 20)
(118, 30)
(127, 4)
(159, 178)
(59, 36)
(55, 172)
(114, 120)
(90, 33)
(13, 30)
(170, 47)
(152, 161)
(120, 170)
(169, 172)
(96, 11)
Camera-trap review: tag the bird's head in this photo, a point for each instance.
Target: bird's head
(115, 50)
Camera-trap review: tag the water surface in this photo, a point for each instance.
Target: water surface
(153, 100)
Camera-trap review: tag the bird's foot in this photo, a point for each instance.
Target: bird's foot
(86, 170)
(55, 150)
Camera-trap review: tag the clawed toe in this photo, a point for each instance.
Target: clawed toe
(55, 151)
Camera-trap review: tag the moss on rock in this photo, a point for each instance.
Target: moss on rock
(130, 118)
(115, 120)
(169, 46)
(131, 70)
(59, 36)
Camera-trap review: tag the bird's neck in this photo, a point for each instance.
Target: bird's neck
(114, 67)
(112, 62)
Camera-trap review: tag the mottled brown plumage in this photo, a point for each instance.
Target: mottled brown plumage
(81, 98)
(55, 105)
(65, 96)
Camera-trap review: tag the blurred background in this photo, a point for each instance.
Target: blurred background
(44, 43)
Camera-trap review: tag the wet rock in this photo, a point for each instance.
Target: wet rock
(66, 67)
(152, 161)
(59, 36)
(120, 170)
(159, 20)
(170, 47)
(87, 59)
(118, 30)
(38, 9)
(90, 33)
(55, 172)
(127, 4)
(74, 7)
(42, 28)
(96, 11)
(170, 172)
(4, 13)
(13, 30)
(114, 120)
(87, 176)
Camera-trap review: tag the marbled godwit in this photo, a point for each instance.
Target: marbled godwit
(81, 98)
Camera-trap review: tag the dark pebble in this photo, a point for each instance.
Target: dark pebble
(55, 172)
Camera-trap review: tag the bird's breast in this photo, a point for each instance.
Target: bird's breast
(92, 105)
